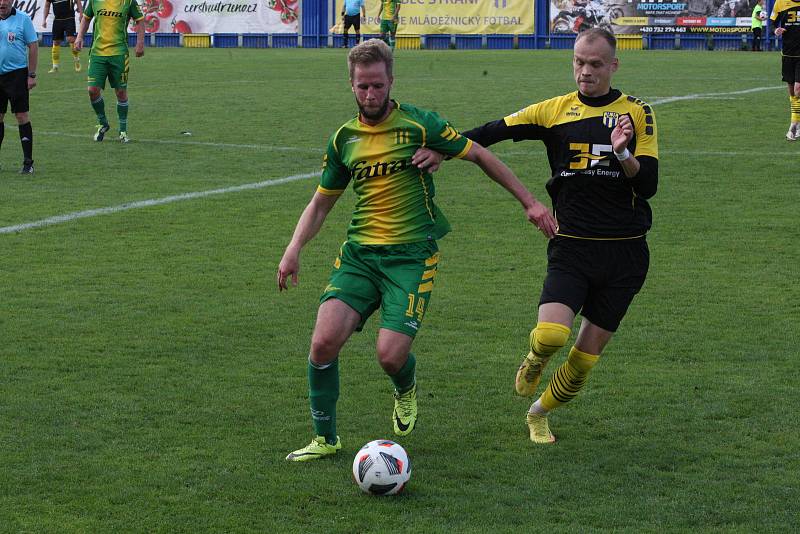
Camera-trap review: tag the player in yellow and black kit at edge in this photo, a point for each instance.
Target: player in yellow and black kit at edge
(391, 257)
(786, 18)
(603, 154)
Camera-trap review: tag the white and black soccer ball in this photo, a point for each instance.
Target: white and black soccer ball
(381, 467)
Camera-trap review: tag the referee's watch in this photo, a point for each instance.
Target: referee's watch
(31, 75)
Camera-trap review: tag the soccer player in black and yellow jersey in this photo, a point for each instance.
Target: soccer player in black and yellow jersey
(391, 256)
(786, 18)
(63, 28)
(603, 155)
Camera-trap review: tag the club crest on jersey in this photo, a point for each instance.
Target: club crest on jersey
(11, 37)
(610, 118)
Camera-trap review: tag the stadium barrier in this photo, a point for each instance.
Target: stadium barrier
(676, 41)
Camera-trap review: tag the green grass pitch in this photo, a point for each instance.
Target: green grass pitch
(152, 378)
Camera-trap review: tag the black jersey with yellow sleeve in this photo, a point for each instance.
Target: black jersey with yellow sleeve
(786, 15)
(592, 197)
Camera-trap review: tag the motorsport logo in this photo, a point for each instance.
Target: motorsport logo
(363, 169)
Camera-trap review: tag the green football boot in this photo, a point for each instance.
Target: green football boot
(318, 448)
(404, 416)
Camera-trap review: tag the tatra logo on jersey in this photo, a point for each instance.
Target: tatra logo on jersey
(108, 13)
(362, 170)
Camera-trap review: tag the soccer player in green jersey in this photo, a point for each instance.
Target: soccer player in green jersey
(108, 57)
(390, 258)
(389, 14)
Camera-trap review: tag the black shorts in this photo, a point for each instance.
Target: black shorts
(63, 28)
(596, 278)
(14, 87)
(352, 20)
(790, 69)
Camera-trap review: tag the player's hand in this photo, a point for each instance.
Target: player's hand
(78, 44)
(427, 160)
(779, 31)
(139, 50)
(540, 215)
(31, 83)
(289, 266)
(622, 133)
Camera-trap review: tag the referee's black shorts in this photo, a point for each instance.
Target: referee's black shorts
(595, 278)
(790, 69)
(14, 88)
(352, 20)
(63, 28)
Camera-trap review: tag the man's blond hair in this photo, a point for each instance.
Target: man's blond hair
(593, 34)
(368, 53)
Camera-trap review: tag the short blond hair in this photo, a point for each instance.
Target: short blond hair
(368, 53)
(594, 34)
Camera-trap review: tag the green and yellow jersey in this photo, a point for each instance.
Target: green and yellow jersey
(786, 14)
(389, 9)
(394, 198)
(110, 33)
(592, 197)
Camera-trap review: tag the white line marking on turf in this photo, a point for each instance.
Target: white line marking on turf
(667, 99)
(198, 143)
(59, 219)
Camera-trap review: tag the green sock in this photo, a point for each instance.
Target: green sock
(99, 107)
(405, 378)
(323, 392)
(122, 112)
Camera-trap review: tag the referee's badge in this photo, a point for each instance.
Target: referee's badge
(11, 37)
(610, 118)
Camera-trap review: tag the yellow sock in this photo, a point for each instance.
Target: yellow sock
(75, 55)
(55, 52)
(794, 105)
(568, 379)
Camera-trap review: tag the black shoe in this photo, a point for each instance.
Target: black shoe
(27, 168)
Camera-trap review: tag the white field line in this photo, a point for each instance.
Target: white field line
(198, 143)
(667, 99)
(59, 219)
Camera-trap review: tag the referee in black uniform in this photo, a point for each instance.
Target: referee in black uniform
(603, 154)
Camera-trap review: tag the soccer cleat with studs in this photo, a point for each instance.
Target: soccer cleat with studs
(101, 132)
(539, 429)
(123, 137)
(77, 64)
(529, 374)
(53, 69)
(318, 448)
(793, 134)
(404, 416)
(27, 167)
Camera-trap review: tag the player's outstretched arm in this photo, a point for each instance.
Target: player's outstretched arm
(307, 227)
(495, 169)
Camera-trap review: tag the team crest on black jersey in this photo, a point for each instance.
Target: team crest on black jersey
(610, 118)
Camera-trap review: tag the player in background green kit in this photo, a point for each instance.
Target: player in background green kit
(389, 14)
(108, 57)
(390, 258)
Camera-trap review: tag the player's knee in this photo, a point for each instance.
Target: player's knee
(548, 338)
(323, 349)
(94, 92)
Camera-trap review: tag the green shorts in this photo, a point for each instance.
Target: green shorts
(398, 278)
(115, 68)
(387, 26)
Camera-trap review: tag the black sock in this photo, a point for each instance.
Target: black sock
(26, 138)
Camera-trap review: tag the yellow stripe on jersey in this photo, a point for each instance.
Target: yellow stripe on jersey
(329, 192)
(427, 287)
(433, 260)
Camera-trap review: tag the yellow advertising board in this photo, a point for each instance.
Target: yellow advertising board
(419, 17)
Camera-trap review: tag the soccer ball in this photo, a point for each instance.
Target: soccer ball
(381, 467)
(762, 15)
